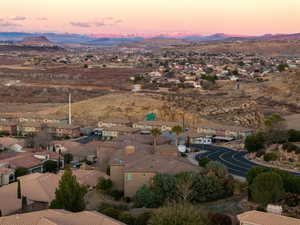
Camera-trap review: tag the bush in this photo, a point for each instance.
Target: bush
(294, 135)
(207, 188)
(104, 185)
(50, 166)
(182, 214)
(127, 218)
(146, 197)
(291, 200)
(270, 156)
(116, 194)
(143, 218)
(267, 188)
(203, 161)
(255, 142)
(111, 212)
(219, 219)
(21, 172)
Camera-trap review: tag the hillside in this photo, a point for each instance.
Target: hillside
(36, 41)
(119, 105)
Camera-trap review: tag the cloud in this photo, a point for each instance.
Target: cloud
(8, 24)
(80, 24)
(107, 21)
(19, 18)
(100, 24)
(42, 18)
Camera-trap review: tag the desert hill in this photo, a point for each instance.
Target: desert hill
(36, 41)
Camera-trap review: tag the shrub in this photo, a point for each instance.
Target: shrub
(294, 135)
(50, 166)
(182, 214)
(143, 218)
(270, 156)
(255, 142)
(219, 219)
(146, 197)
(21, 172)
(203, 161)
(267, 188)
(116, 194)
(111, 212)
(104, 185)
(291, 200)
(127, 218)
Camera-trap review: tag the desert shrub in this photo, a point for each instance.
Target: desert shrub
(270, 156)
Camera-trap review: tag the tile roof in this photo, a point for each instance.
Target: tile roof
(59, 217)
(262, 218)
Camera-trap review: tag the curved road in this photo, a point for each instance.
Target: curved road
(235, 161)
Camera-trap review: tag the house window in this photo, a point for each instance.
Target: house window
(129, 176)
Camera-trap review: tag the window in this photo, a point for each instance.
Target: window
(129, 176)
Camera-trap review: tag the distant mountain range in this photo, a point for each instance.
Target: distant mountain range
(113, 39)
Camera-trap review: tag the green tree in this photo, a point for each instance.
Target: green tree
(155, 132)
(294, 135)
(207, 188)
(164, 186)
(282, 67)
(267, 188)
(68, 158)
(146, 197)
(255, 142)
(178, 214)
(50, 166)
(20, 171)
(177, 130)
(254, 172)
(70, 194)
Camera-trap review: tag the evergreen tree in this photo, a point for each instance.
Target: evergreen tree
(70, 194)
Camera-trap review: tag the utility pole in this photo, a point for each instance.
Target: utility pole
(70, 108)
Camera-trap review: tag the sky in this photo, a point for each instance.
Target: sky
(243, 17)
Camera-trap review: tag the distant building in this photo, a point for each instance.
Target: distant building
(114, 122)
(116, 131)
(149, 125)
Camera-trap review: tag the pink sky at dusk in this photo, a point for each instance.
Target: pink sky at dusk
(248, 17)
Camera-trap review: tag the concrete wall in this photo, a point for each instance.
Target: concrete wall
(117, 176)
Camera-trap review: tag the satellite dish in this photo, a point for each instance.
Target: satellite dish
(182, 148)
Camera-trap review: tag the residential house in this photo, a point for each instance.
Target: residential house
(63, 130)
(116, 131)
(149, 125)
(213, 129)
(117, 122)
(59, 217)
(197, 138)
(39, 189)
(32, 161)
(132, 167)
(263, 218)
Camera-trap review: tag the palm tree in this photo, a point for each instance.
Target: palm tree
(177, 130)
(155, 132)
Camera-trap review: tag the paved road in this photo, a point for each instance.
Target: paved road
(235, 161)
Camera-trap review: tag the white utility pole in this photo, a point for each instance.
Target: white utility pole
(70, 108)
